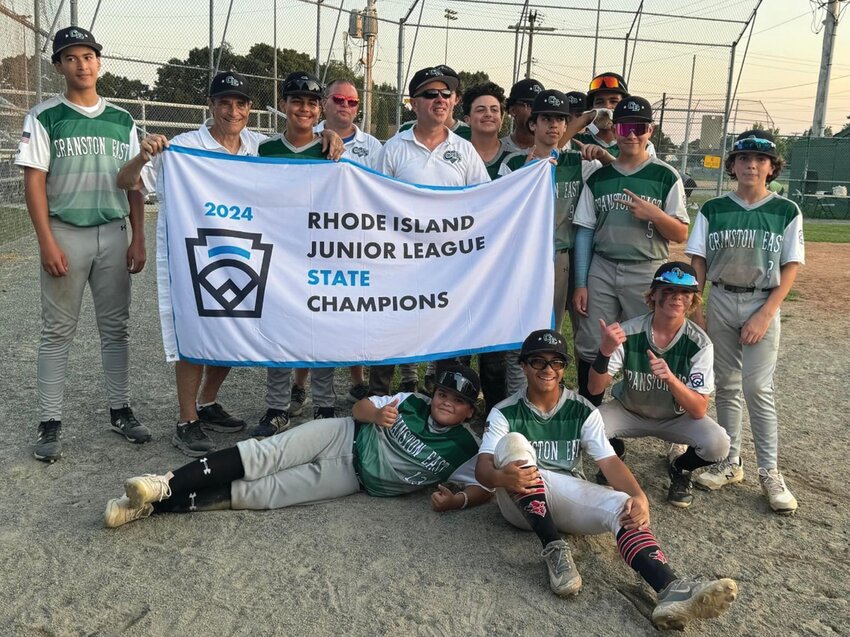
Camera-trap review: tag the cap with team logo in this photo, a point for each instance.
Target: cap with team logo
(754, 141)
(73, 36)
(301, 83)
(540, 341)
(551, 102)
(612, 82)
(633, 109)
(675, 274)
(461, 380)
(577, 101)
(440, 73)
(524, 91)
(229, 83)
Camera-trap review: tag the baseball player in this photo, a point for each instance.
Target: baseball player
(392, 446)
(531, 456)
(71, 148)
(428, 153)
(484, 110)
(519, 105)
(548, 124)
(749, 244)
(627, 214)
(458, 127)
(667, 364)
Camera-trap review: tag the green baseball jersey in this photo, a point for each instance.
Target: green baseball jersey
(690, 356)
(588, 138)
(557, 436)
(278, 146)
(618, 234)
(568, 186)
(414, 452)
(494, 165)
(746, 244)
(81, 150)
(460, 128)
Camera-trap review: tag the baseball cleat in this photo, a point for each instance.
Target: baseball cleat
(145, 489)
(679, 494)
(273, 422)
(48, 445)
(323, 412)
(119, 512)
(683, 600)
(357, 392)
(297, 400)
(216, 418)
(719, 475)
(191, 439)
(124, 422)
(781, 500)
(564, 578)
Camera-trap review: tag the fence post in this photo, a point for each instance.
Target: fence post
(400, 74)
(727, 111)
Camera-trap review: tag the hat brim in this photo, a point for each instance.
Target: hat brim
(772, 154)
(97, 48)
(233, 93)
(632, 119)
(541, 350)
(451, 82)
(659, 284)
(318, 96)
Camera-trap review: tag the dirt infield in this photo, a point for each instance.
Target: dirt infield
(369, 566)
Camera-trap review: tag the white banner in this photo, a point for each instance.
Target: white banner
(309, 263)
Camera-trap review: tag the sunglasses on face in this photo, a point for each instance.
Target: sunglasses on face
(755, 143)
(433, 93)
(342, 100)
(539, 363)
(605, 81)
(638, 128)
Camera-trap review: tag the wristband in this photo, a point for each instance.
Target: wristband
(465, 499)
(600, 363)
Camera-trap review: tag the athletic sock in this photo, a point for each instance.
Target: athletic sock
(214, 498)
(535, 509)
(734, 460)
(217, 468)
(640, 550)
(689, 461)
(202, 405)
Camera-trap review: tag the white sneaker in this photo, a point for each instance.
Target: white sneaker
(684, 600)
(564, 578)
(119, 512)
(675, 451)
(781, 500)
(719, 475)
(145, 489)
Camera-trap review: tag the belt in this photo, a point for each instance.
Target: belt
(629, 261)
(737, 289)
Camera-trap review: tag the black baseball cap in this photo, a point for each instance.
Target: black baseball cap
(577, 101)
(550, 101)
(755, 141)
(301, 83)
(633, 109)
(229, 83)
(675, 274)
(607, 81)
(524, 91)
(440, 73)
(73, 36)
(540, 341)
(460, 380)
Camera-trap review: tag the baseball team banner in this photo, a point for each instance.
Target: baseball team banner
(307, 263)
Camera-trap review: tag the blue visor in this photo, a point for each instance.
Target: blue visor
(678, 278)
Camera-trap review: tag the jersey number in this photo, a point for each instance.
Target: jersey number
(650, 230)
(225, 212)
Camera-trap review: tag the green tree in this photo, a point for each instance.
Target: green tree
(783, 148)
(118, 86)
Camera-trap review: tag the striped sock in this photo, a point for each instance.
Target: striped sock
(536, 511)
(640, 550)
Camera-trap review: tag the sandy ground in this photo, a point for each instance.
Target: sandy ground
(368, 566)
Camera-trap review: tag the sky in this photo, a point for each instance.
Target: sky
(777, 84)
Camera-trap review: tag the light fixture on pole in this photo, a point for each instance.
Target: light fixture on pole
(451, 15)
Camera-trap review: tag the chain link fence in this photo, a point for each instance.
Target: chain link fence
(157, 61)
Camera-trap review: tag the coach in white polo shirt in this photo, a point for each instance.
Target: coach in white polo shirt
(340, 107)
(431, 154)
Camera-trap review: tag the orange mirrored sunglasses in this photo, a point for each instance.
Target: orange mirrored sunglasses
(606, 81)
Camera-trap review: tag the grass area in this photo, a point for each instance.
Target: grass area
(826, 231)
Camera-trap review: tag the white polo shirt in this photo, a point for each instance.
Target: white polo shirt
(363, 148)
(455, 162)
(202, 140)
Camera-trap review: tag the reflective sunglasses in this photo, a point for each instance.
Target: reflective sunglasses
(605, 81)
(342, 100)
(433, 93)
(678, 278)
(539, 363)
(309, 86)
(457, 382)
(755, 143)
(638, 128)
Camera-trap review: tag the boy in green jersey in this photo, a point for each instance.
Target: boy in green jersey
(749, 244)
(397, 445)
(668, 375)
(71, 149)
(531, 455)
(484, 110)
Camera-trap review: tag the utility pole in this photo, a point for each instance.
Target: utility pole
(212, 57)
(451, 16)
(75, 19)
(36, 16)
(831, 24)
(318, 34)
(531, 29)
(370, 34)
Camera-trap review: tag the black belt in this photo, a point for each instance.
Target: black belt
(738, 289)
(630, 261)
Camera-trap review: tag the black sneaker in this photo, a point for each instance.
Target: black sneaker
(191, 439)
(679, 494)
(430, 384)
(357, 392)
(297, 399)
(48, 445)
(323, 412)
(273, 422)
(409, 386)
(215, 418)
(125, 423)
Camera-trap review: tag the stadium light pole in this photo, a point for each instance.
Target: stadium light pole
(451, 16)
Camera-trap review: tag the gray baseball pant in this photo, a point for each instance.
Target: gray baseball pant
(309, 463)
(747, 368)
(709, 440)
(97, 256)
(279, 387)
